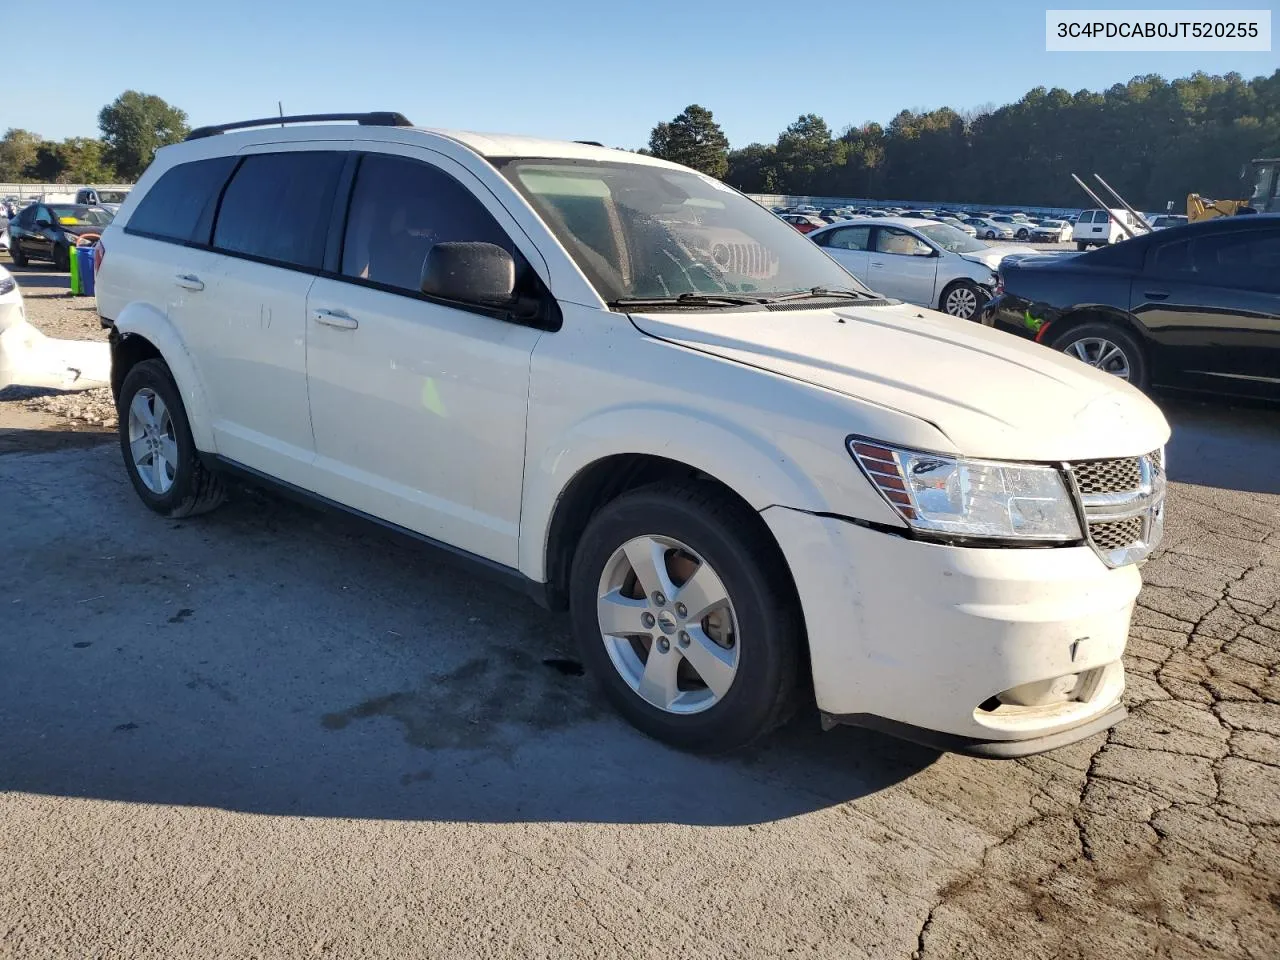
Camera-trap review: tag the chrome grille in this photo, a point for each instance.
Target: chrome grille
(1108, 535)
(1108, 476)
(1123, 505)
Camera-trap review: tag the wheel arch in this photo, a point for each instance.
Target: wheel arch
(587, 467)
(142, 332)
(1094, 313)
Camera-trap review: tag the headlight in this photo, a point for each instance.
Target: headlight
(7, 283)
(953, 497)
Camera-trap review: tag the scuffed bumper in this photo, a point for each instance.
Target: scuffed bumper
(939, 644)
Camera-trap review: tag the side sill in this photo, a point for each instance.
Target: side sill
(499, 573)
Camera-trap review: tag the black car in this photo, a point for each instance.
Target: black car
(48, 231)
(1195, 307)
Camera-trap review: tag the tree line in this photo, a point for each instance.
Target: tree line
(134, 126)
(1153, 140)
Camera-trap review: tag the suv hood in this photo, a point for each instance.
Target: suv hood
(992, 394)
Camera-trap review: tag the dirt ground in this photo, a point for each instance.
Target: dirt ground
(270, 733)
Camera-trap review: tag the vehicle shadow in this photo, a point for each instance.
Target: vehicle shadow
(44, 276)
(270, 659)
(1228, 447)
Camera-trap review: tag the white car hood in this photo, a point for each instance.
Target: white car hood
(992, 394)
(993, 255)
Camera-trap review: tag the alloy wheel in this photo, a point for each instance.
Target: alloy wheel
(152, 442)
(961, 302)
(668, 624)
(1103, 354)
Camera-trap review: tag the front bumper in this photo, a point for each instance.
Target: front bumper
(1016, 315)
(933, 642)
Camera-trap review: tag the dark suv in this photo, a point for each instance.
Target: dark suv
(48, 231)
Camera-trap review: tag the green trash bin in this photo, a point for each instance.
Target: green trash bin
(75, 273)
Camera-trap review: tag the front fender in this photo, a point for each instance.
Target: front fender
(747, 462)
(143, 320)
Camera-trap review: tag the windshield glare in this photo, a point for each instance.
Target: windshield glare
(647, 231)
(950, 239)
(77, 215)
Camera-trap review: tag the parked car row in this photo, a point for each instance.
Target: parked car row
(985, 225)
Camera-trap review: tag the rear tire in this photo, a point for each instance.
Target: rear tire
(1091, 343)
(766, 636)
(1081, 245)
(186, 487)
(15, 251)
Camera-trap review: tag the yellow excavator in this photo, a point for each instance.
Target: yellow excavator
(1264, 175)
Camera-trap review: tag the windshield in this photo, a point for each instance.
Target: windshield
(1266, 187)
(950, 239)
(112, 196)
(647, 231)
(76, 215)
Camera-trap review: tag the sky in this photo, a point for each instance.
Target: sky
(573, 69)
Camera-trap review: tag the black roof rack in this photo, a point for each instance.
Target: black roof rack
(377, 119)
(590, 143)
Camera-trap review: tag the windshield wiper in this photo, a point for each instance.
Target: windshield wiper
(822, 293)
(689, 300)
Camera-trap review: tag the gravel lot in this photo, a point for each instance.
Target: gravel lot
(271, 733)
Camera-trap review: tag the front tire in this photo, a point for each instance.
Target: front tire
(1023, 234)
(159, 454)
(62, 258)
(963, 299)
(989, 235)
(1108, 347)
(685, 613)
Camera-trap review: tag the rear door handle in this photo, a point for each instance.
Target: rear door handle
(189, 281)
(1156, 294)
(877, 263)
(335, 318)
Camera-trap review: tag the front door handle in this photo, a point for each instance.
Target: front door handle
(189, 281)
(335, 318)
(1156, 294)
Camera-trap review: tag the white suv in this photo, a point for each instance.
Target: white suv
(642, 397)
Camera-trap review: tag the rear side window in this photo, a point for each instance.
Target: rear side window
(399, 209)
(176, 207)
(1247, 259)
(847, 238)
(277, 207)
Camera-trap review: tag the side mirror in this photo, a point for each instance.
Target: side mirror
(469, 272)
(43, 224)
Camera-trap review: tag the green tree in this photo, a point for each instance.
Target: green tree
(74, 160)
(17, 153)
(694, 139)
(753, 169)
(134, 126)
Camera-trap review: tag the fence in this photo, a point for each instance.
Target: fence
(30, 191)
(777, 200)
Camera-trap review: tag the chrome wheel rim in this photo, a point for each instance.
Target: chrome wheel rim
(152, 443)
(668, 625)
(1103, 354)
(961, 302)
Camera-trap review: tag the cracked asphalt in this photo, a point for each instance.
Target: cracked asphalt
(273, 733)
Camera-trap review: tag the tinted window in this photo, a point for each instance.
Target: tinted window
(27, 217)
(400, 208)
(1126, 254)
(1249, 260)
(174, 207)
(1171, 259)
(277, 207)
(847, 238)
